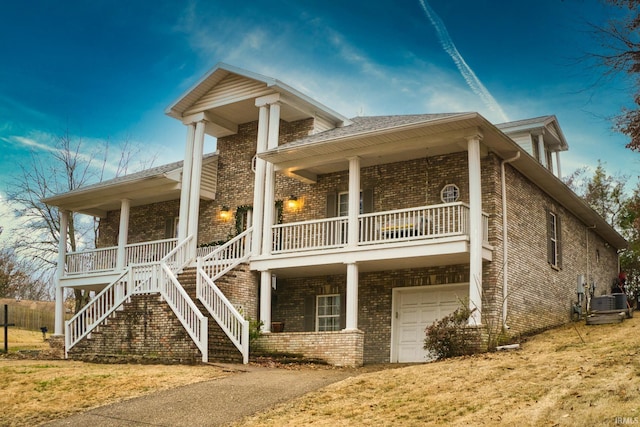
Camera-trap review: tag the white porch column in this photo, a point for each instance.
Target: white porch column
(354, 202)
(185, 189)
(259, 181)
(475, 230)
(558, 165)
(541, 152)
(194, 194)
(265, 300)
(123, 233)
(270, 180)
(352, 297)
(62, 255)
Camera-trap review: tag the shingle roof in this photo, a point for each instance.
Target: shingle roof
(136, 176)
(523, 122)
(367, 124)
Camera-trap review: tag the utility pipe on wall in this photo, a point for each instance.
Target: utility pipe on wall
(505, 249)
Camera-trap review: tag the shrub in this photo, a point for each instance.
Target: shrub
(255, 330)
(451, 336)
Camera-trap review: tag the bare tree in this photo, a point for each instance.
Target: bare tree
(620, 54)
(69, 165)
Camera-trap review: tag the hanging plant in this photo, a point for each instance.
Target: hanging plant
(241, 215)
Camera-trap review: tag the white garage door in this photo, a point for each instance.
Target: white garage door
(417, 308)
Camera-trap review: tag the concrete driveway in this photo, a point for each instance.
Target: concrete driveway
(246, 391)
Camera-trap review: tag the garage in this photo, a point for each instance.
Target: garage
(416, 308)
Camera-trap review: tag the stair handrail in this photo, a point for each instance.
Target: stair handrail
(98, 309)
(212, 267)
(225, 257)
(194, 322)
(230, 320)
(152, 277)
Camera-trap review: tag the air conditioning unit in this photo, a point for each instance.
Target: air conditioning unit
(603, 303)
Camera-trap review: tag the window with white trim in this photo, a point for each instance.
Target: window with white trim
(553, 237)
(554, 240)
(343, 203)
(328, 313)
(450, 193)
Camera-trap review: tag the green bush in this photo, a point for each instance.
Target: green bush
(451, 336)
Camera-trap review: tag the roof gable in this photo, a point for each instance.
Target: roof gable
(226, 96)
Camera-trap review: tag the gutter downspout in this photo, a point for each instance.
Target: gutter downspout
(505, 249)
(589, 283)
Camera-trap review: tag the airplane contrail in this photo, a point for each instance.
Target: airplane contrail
(467, 73)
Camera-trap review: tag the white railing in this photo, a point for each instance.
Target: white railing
(106, 259)
(425, 222)
(195, 323)
(93, 260)
(223, 258)
(97, 310)
(205, 250)
(310, 235)
(146, 278)
(210, 268)
(428, 222)
(138, 253)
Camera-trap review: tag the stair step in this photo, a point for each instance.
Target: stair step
(221, 349)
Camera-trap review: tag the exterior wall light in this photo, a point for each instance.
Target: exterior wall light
(293, 203)
(225, 213)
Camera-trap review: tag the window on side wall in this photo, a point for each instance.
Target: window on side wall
(328, 313)
(554, 240)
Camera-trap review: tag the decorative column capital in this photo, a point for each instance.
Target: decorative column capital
(194, 119)
(477, 136)
(262, 101)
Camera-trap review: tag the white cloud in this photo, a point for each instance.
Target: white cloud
(38, 141)
(8, 222)
(465, 70)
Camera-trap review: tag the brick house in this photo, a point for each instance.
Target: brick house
(344, 237)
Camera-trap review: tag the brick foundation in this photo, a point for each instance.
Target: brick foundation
(144, 331)
(341, 348)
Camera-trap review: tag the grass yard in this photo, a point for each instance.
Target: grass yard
(36, 391)
(576, 375)
(21, 340)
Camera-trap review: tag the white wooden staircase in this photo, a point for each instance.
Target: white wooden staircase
(162, 278)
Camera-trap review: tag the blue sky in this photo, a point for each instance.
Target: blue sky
(107, 69)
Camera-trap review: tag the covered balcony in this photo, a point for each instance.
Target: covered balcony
(401, 238)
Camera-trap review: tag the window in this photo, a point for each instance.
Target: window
(171, 228)
(450, 193)
(554, 238)
(328, 313)
(343, 204)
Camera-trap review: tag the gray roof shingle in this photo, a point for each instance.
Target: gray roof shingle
(367, 124)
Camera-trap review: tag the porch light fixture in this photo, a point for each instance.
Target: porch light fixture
(225, 213)
(293, 203)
